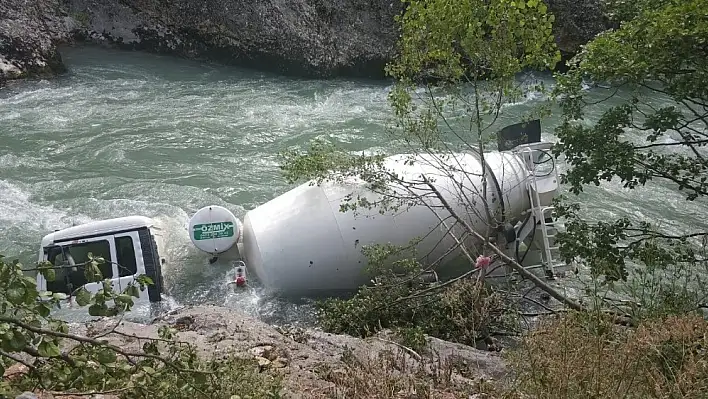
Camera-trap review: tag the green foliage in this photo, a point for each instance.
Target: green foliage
(621, 11)
(660, 53)
(655, 273)
(657, 55)
(463, 40)
(481, 45)
(464, 310)
(471, 53)
(61, 361)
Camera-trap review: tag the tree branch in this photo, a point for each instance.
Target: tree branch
(16, 359)
(509, 261)
(92, 341)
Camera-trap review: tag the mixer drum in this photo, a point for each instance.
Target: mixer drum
(301, 242)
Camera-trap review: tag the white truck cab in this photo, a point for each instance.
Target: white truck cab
(130, 245)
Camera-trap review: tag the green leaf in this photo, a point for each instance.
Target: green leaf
(105, 356)
(97, 309)
(48, 349)
(58, 325)
(49, 274)
(133, 291)
(16, 295)
(18, 341)
(143, 279)
(59, 296)
(43, 309)
(83, 297)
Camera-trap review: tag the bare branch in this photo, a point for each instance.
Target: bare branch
(511, 262)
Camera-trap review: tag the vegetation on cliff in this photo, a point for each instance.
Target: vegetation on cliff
(304, 38)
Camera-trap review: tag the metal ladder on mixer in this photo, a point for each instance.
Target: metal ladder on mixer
(541, 212)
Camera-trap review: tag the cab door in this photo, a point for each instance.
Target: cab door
(130, 262)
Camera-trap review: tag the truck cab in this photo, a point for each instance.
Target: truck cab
(130, 245)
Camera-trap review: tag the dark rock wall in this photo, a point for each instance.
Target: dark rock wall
(311, 38)
(316, 38)
(576, 23)
(29, 30)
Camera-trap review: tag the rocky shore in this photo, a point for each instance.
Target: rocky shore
(309, 360)
(308, 38)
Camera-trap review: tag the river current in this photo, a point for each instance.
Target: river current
(131, 133)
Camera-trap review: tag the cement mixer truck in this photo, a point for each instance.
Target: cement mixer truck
(302, 243)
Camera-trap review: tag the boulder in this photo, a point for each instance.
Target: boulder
(576, 23)
(306, 38)
(29, 33)
(312, 38)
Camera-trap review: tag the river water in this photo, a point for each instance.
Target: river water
(131, 133)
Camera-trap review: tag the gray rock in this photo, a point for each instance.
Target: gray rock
(576, 22)
(29, 32)
(300, 361)
(26, 395)
(314, 38)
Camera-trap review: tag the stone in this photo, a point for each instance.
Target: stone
(279, 362)
(15, 371)
(310, 38)
(265, 351)
(29, 32)
(308, 366)
(263, 363)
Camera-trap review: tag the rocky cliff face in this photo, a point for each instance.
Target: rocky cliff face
(576, 23)
(29, 31)
(313, 38)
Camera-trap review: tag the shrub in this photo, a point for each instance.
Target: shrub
(56, 360)
(588, 356)
(464, 311)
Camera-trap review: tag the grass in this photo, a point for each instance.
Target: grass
(587, 356)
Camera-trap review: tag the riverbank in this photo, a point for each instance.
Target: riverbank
(311, 363)
(304, 38)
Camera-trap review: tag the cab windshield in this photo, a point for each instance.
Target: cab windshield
(69, 260)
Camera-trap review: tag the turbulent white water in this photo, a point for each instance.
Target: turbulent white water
(130, 133)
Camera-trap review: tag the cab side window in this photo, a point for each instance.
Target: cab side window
(125, 251)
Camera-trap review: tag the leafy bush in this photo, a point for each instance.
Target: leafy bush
(464, 311)
(56, 360)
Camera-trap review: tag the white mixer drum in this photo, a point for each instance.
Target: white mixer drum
(300, 241)
(214, 229)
